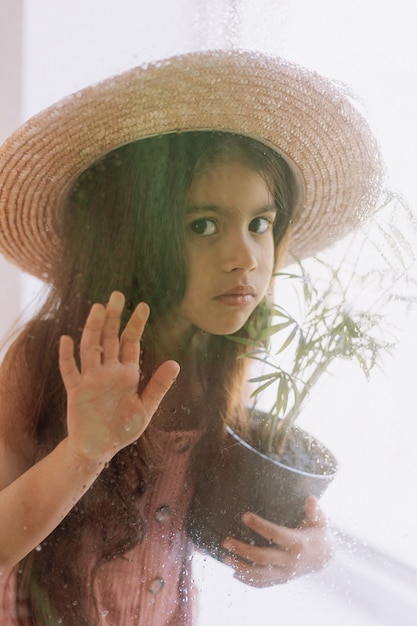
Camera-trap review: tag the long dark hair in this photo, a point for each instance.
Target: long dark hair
(122, 229)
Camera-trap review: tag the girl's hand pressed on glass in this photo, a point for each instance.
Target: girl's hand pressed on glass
(105, 413)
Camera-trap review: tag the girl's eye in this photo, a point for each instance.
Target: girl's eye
(204, 227)
(260, 225)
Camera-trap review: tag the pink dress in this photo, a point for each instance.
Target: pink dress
(151, 584)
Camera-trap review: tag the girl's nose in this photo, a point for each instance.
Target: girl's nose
(239, 254)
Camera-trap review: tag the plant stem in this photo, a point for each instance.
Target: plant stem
(288, 421)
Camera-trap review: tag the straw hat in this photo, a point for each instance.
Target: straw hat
(309, 120)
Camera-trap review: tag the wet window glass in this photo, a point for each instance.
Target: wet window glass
(229, 178)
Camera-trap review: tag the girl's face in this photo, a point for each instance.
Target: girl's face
(229, 247)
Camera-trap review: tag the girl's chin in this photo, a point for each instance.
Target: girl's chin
(223, 329)
(213, 322)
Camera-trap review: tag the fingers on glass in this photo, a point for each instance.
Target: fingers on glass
(132, 334)
(90, 346)
(67, 365)
(101, 341)
(111, 327)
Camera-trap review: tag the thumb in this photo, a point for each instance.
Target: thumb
(314, 514)
(158, 386)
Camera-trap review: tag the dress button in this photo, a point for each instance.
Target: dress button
(156, 585)
(182, 444)
(163, 513)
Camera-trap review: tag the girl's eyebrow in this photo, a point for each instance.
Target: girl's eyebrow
(214, 208)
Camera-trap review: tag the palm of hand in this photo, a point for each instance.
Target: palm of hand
(104, 410)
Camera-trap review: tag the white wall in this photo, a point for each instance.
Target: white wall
(10, 115)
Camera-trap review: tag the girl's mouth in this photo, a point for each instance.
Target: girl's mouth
(240, 295)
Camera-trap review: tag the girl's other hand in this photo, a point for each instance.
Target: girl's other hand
(293, 551)
(104, 411)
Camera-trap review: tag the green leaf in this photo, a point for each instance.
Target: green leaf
(259, 379)
(261, 388)
(273, 330)
(288, 341)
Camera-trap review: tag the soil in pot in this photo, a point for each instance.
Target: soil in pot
(242, 479)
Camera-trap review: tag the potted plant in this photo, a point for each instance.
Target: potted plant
(273, 465)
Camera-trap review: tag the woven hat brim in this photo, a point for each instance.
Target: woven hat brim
(305, 117)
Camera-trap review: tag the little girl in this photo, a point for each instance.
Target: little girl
(157, 205)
